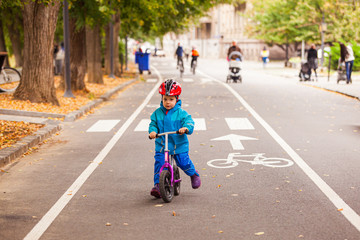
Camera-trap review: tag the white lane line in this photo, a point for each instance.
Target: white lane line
(347, 211)
(56, 209)
(239, 124)
(103, 126)
(200, 124)
(143, 125)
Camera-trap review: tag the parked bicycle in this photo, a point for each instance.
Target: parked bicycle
(169, 182)
(9, 77)
(233, 160)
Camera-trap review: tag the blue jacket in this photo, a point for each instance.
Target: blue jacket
(179, 51)
(175, 119)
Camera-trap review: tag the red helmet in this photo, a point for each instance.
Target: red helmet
(170, 88)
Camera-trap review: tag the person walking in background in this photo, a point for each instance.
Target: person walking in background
(265, 56)
(234, 48)
(312, 58)
(59, 59)
(347, 56)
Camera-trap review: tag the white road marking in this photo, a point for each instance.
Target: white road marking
(188, 80)
(200, 124)
(235, 140)
(56, 209)
(143, 125)
(206, 80)
(347, 211)
(151, 80)
(239, 124)
(103, 126)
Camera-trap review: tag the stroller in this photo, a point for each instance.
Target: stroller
(305, 72)
(341, 72)
(234, 67)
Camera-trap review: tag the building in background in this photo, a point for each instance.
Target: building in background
(214, 34)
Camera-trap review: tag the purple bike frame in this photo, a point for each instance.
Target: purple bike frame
(166, 152)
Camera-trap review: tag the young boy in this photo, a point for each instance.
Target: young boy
(170, 117)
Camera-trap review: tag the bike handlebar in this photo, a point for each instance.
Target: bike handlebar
(168, 133)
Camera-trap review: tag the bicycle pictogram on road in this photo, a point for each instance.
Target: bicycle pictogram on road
(233, 160)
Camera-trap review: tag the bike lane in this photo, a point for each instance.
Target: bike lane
(241, 202)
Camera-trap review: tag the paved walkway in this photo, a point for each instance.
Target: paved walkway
(324, 81)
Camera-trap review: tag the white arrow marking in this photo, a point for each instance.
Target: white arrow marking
(235, 140)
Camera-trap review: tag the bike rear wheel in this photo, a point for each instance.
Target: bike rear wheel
(9, 79)
(166, 190)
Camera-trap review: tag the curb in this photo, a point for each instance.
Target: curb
(9, 154)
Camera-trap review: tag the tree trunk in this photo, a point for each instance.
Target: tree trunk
(93, 52)
(2, 43)
(14, 28)
(116, 26)
(77, 56)
(37, 82)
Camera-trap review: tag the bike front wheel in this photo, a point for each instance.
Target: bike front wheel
(9, 79)
(222, 163)
(277, 162)
(166, 190)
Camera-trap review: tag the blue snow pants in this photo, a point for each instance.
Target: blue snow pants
(182, 160)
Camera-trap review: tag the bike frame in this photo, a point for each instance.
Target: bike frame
(169, 160)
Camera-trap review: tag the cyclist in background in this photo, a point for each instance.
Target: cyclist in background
(179, 53)
(194, 56)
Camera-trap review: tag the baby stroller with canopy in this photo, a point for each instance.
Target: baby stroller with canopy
(235, 59)
(341, 72)
(305, 72)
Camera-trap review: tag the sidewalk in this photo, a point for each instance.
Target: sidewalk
(330, 84)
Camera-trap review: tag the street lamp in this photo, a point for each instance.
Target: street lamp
(68, 92)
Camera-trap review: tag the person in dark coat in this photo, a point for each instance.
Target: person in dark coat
(234, 48)
(312, 59)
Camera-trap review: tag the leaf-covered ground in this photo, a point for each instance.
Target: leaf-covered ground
(11, 132)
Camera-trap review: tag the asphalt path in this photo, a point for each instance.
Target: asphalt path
(94, 183)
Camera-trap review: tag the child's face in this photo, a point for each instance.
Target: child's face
(169, 102)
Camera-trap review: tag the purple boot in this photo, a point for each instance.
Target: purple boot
(155, 191)
(195, 181)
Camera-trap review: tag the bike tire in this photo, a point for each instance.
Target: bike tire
(12, 79)
(217, 163)
(277, 162)
(176, 177)
(166, 190)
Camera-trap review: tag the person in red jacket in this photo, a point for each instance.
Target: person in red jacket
(194, 56)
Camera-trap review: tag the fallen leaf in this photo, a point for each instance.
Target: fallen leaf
(174, 213)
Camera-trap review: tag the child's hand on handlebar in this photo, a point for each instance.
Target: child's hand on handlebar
(183, 130)
(152, 135)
